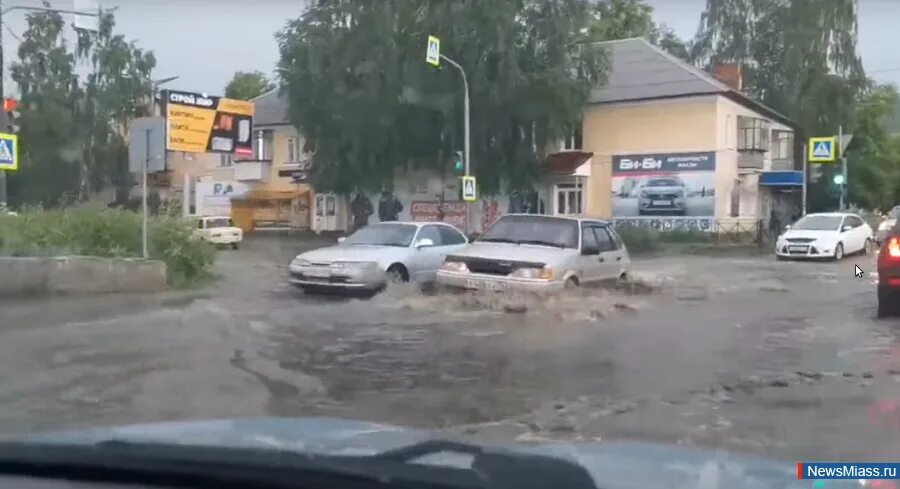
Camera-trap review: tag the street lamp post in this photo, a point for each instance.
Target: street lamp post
(466, 109)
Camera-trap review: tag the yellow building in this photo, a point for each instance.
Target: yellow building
(668, 141)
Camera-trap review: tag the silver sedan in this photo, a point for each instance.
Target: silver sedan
(377, 254)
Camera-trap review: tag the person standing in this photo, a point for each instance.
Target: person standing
(389, 207)
(361, 209)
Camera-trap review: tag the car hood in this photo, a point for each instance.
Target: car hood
(815, 235)
(515, 252)
(657, 190)
(353, 253)
(613, 465)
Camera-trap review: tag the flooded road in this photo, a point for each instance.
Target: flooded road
(743, 353)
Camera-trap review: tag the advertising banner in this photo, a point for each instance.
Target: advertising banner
(671, 190)
(214, 198)
(200, 124)
(430, 210)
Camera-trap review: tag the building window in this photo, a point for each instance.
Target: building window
(262, 145)
(782, 145)
(291, 150)
(226, 159)
(573, 141)
(753, 134)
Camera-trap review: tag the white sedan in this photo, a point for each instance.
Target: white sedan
(377, 254)
(826, 235)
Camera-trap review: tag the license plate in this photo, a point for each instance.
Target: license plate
(317, 272)
(801, 249)
(662, 202)
(486, 285)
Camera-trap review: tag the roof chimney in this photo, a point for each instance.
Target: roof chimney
(730, 74)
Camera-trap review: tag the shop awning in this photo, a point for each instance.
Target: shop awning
(781, 179)
(569, 163)
(262, 194)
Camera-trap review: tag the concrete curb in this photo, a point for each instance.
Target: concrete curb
(79, 275)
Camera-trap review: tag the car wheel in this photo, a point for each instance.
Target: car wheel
(235, 246)
(571, 283)
(886, 306)
(869, 247)
(780, 258)
(397, 274)
(839, 252)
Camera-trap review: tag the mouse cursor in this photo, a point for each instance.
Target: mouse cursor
(857, 271)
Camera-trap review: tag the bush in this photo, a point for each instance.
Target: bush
(645, 239)
(640, 239)
(103, 232)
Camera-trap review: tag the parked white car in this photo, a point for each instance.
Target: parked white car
(219, 231)
(538, 253)
(826, 235)
(377, 254)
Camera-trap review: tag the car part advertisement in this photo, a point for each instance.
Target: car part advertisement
(666, 190)
(197, 123)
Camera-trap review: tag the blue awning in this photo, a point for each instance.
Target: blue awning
(781, 178)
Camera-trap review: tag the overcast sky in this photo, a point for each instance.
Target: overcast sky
(206, 41)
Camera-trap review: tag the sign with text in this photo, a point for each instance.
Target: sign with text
(196, 123)
(451, 212)
(664, 184)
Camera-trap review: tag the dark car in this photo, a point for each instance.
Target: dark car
(889, 274)
(663, 195)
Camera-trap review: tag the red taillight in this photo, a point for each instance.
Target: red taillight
(893, 248)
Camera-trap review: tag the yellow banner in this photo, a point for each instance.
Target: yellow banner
(189, 128)
(237, 107)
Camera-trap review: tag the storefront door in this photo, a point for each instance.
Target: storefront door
(569, 199)
(326, 212)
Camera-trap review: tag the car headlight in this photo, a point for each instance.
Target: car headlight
(886, 225)
(455, 266)
(300, 262)
(545, 273)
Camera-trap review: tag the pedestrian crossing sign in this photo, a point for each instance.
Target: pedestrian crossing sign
(822, 150)
(433, 51)
(469, 192)
(9, 152)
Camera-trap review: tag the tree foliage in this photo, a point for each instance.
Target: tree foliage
(874, 154)
(798, 56)
(73, 129)
(622, 19)
(246, 85)
(359, 89)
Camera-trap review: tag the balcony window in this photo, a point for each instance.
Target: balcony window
(226, 159)
(753, 134)
(782, 145)
(262, 146)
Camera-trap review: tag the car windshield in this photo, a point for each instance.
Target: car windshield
(549, 231)
(383, 235)
(665, 182)
(819, 223)
(223, 222)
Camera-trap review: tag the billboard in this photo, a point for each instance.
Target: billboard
(196, 123)
(454, 212)
(666, 191)
(213, 198)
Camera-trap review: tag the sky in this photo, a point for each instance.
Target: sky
(205, 41)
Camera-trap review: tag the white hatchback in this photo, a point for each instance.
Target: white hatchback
(826, 235)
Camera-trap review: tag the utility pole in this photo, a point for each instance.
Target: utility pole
(843, 166)
(466, 122)
(3, 118)
(805, 179)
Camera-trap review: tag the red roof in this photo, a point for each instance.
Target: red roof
(566, 162)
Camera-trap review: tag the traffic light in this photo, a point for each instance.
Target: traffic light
(458, 163)
(11, 109)
(839, 179)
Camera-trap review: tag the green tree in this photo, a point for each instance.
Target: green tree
(798, 56)
(248, 85)
(360, 91)
(73, 131)
(622, 19)
(873, 158)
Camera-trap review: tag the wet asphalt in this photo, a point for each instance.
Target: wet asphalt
(731, 351)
